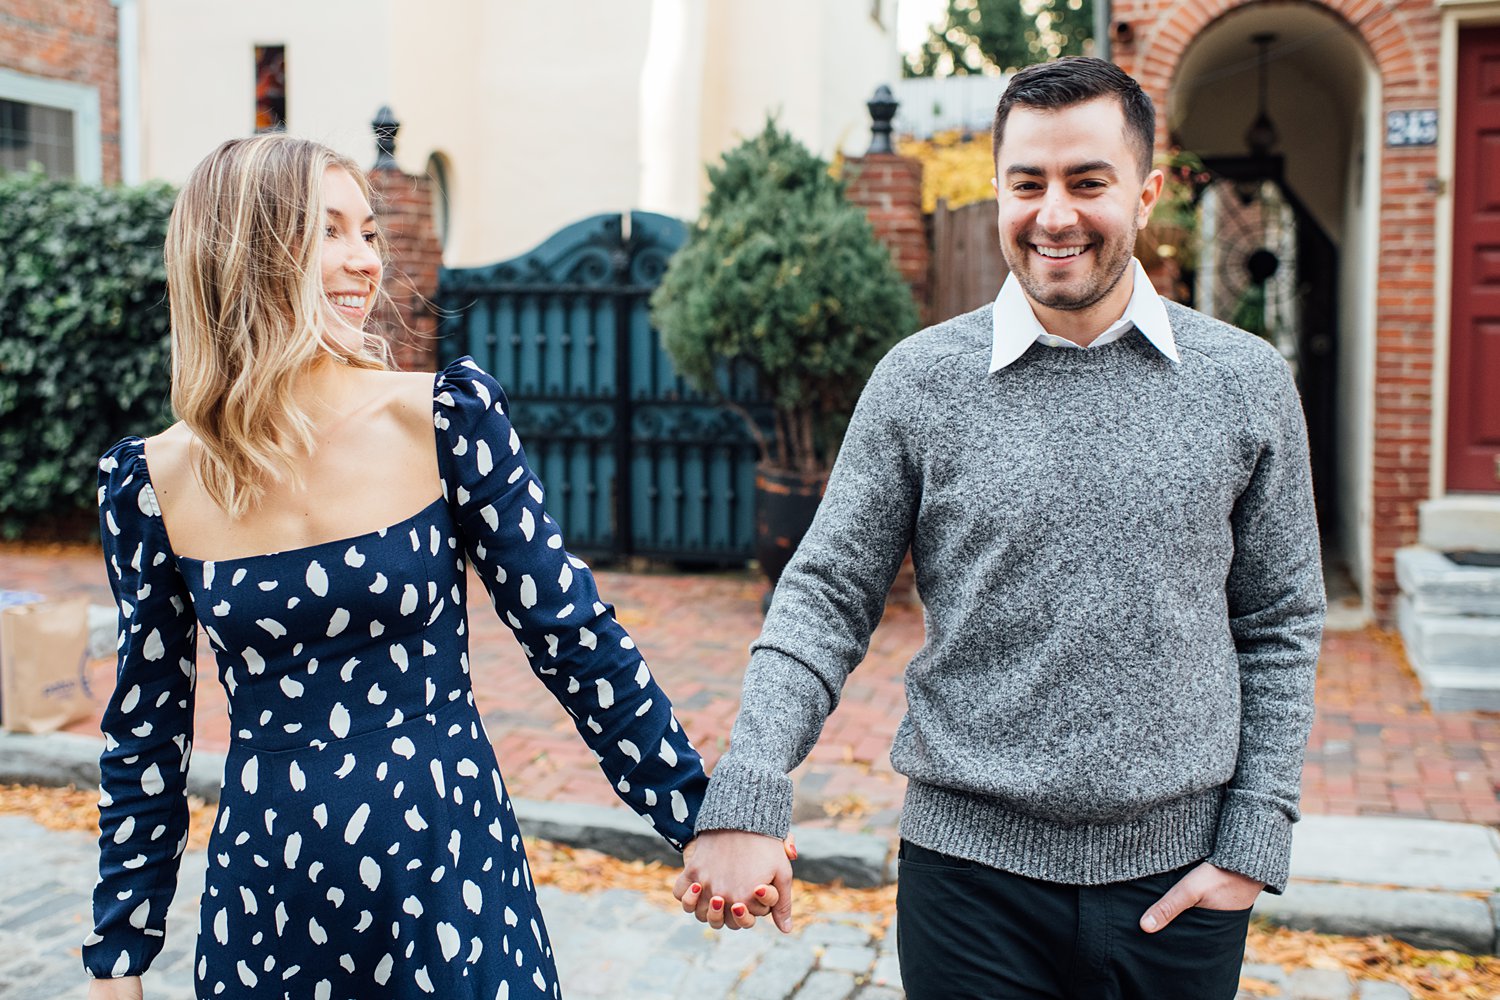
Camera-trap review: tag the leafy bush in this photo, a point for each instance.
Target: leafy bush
(84, 329)
(783, 274)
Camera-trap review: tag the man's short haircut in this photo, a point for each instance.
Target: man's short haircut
(1064, 82)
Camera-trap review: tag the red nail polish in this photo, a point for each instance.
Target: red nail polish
(738, 909)
(695, 887)
(716, 903)
(761, 892)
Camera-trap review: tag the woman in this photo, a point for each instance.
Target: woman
(316, 513)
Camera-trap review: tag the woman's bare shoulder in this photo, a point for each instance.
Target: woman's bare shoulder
(169, 456)
(408, 397)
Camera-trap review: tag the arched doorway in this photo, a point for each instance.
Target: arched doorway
(1311, 202)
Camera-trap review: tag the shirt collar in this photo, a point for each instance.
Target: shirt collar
(1017, 328)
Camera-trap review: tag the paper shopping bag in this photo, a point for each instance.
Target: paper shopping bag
(43, 652)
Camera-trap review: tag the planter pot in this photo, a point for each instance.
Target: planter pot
(785, 502)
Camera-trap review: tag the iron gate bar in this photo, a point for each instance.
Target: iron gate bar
(635, 462)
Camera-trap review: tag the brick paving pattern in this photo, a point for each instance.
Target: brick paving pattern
(1376, 749)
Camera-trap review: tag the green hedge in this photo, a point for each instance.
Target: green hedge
(84, 351)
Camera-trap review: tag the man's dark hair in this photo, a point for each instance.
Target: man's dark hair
(1064, 82)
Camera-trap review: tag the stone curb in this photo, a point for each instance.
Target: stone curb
(1431, 919)
(1424, 919)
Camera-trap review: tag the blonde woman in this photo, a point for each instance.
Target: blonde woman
(315, 514)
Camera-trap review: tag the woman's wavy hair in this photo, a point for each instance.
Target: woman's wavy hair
(248, 309)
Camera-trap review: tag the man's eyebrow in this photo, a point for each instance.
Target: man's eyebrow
(340, 215)
(1088, 167)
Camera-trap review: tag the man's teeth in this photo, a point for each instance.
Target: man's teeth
(351, 301)
(1060, 251)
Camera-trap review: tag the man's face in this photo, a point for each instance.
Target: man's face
(1071, 198)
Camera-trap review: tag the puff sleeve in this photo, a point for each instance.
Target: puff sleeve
(549, 599)
(148, 724)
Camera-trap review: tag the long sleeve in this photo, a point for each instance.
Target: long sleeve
(1276, 607)
(549, 599)
(148, 725)
(828, 602)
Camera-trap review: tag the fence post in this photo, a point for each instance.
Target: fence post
(403, 204)
(888, 187)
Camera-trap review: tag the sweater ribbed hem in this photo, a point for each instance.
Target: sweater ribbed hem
(743, 798)
(1169, 836)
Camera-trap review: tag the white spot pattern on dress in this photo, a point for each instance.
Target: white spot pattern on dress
(331, 794)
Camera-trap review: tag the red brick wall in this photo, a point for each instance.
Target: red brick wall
(1402, 38)
(889, 188)
(71, 40)
(403, 205)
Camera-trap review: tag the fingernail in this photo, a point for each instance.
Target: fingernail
(761, 892)
(738, 909)
(1150, 922)
(695, 887)
(716, 903)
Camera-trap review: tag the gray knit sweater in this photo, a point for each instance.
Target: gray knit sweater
(1119, 563)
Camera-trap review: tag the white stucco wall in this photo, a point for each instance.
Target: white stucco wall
(537, 112)
(197, 84)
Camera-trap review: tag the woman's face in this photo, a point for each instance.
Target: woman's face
(350, 259)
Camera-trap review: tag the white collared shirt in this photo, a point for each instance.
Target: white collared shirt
(1017, 328)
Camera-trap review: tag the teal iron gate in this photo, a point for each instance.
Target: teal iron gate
(634, 461)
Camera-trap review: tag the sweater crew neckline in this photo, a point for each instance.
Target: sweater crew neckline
(1109, 356)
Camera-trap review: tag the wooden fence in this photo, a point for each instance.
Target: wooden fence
(967, 269)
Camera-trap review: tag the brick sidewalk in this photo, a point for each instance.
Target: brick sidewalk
(1376, 749)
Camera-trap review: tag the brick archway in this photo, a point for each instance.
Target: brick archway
(1403, 43)
(1404, 46)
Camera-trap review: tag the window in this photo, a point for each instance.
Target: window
(52, 123)
(31, 133)
(270, 88)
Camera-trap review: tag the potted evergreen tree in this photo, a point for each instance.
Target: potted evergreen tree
(784, 275)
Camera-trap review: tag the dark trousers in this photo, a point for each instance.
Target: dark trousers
(968, 932)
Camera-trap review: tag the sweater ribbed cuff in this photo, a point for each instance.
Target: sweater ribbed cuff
(1254, 839)
(742, 798)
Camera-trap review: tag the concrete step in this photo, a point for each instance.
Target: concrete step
(1460, 522)
(1435, 585)
(1469, 641)
(1460, 689)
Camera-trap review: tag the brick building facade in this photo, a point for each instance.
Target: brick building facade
(1388, 151)
(59, 66)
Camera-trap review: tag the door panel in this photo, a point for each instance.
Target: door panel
(1474, 375)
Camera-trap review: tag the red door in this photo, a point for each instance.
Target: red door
(1474, 375)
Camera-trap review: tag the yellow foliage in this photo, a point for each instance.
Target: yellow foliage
(954, 168)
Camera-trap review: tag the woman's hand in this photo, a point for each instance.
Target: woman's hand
(730, 878)
(124, 988)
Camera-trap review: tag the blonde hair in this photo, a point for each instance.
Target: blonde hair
(248, 309)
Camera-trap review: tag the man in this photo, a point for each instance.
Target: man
(1110, 513)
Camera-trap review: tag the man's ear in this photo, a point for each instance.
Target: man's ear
(1150, 194)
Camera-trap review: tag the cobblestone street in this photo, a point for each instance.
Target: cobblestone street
(613, 944)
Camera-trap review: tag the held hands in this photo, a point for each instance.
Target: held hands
(1207, 886)
(730, 878)
(125, 988)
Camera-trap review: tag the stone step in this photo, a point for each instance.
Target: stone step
(1460, 689)
(1435, 585)
(1460, 522)
(1467, 641)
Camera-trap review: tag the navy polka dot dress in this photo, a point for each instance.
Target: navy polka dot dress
(364, 845)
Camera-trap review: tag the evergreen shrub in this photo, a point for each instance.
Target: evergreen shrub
(783, 274)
